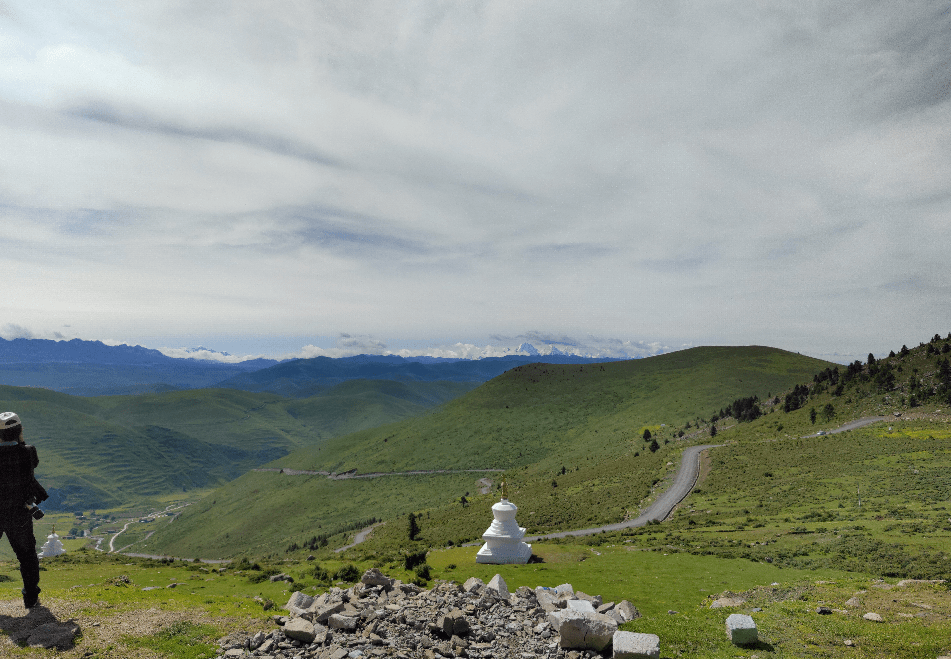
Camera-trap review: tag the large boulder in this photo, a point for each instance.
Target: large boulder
(580, 605)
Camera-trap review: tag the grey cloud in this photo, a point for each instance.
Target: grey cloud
(360, 345)
(141, 121)
(11, 331)
(358, 234)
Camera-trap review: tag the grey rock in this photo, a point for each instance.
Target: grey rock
(300, 630)
(741, 630)
(318, 613)
(473, 585)
(627, 611)
(373, 577)
(257, 640)
(580, 605)
(298, 603)
(604, 608)
(873, 617)
(548, 599)
(342, 622)
(629, 645)
(498, 587)
(586, 631)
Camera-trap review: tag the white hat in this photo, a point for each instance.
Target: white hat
(8, 420)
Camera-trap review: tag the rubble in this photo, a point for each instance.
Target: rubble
(382, 617)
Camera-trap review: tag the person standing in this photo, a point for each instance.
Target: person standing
(17, 496)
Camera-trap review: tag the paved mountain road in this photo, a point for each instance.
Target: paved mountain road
(684, 481)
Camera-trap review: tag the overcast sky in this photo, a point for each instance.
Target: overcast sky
(376, 176)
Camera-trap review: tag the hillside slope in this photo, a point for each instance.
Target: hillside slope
(531, 421)
(108, 451)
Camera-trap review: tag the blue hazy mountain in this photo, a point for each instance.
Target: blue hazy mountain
(92, 368)
(306, 377)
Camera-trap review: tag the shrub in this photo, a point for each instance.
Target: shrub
(424, 572)
(413, 559)
(348, 572)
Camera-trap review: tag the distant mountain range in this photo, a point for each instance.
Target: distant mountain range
(305, 377)
(92, 368)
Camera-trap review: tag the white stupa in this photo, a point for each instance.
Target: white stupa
(52, 547)
(503, 538)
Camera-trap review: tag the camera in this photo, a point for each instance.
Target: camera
(35, 512)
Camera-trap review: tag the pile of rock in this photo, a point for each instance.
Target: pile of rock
(382, 617)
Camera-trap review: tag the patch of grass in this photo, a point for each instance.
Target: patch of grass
(181, 640)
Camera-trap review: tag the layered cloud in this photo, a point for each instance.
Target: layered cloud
(659, 171)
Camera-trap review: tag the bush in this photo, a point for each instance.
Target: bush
(424, 572)
(413, 559)
(348, 572)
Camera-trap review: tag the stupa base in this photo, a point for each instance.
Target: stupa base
(515, 554)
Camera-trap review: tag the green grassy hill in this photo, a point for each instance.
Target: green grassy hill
(111, 451)
(531, 421)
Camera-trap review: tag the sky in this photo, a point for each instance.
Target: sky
(459, 178)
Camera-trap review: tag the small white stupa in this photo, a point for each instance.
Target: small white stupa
(503, 539)
(52, 547)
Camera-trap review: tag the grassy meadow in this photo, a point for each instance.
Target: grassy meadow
(189, 606)
(783, 518)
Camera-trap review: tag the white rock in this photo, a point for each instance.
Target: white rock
(581, 605)
(741, 630)
(629, 645)
(874, 617)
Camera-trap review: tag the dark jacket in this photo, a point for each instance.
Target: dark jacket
(18, 486)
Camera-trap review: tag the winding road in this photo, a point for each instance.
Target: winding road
(684, 481)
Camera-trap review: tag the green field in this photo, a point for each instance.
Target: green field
(191, 605)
